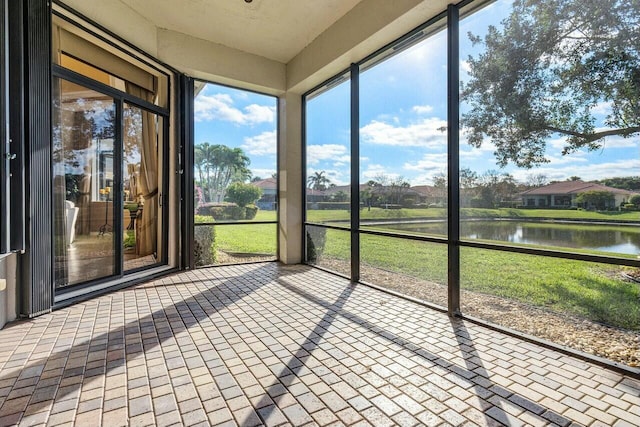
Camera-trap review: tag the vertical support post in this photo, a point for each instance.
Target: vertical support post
(185, 170)
(355, 172)
(290, 179)
(116, 194)
(15, 10)
(5, 149)
(37, 263)
(453, 155)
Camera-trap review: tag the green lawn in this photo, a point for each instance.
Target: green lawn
(591, 290)
(594, 291)
(391, 214)
(247, 238)
(399, 214)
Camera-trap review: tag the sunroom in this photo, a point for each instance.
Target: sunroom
(257, 212)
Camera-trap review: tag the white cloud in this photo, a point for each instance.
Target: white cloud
(614, 141)
(375, 170)
(577, 157)
(336, 177)
(590, 172)
(602, 108)
(465, 66)
(618, 141)
(426, 179)
(342, 161)
(260, 113)
(425, 133)
(263, 144)
(429, 162)
(422, 109)
(317, 153)
(262, 173)
(220, 107)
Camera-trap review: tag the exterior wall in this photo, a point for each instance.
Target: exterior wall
(620, 199)
(7, 288)
(558, 201)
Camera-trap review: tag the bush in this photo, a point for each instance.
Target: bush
(629, 207)
(250, 212)
(316, 238)
(243, 194)
(199, 219)
(224, 211)
(204, 245)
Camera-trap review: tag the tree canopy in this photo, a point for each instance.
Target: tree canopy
(243, 194)
(596, 198)
(318, 181)
(546, 70)
(218, 166)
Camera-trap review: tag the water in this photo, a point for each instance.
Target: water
(620, 239)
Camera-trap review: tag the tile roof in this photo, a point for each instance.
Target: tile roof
(573, 187)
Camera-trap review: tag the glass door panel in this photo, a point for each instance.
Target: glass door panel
(85, 184)
(140, 169)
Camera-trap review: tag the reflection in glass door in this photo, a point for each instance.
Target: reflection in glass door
(140, 186)
(107, 181)
(85, 186)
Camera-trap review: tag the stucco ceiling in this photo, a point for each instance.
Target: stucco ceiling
(275, 29)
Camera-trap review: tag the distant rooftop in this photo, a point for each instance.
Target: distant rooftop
(573, 187)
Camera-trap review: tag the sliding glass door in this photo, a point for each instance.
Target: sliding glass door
(142, 137)
(107, 182)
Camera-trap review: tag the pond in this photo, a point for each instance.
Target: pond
(619, 239)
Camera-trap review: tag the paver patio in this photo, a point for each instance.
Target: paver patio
(266, 344)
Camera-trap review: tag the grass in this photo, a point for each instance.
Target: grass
(400, 214)
(590, 290)
(247, 238)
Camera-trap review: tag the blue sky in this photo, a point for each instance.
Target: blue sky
(238, 118)
(402, 108)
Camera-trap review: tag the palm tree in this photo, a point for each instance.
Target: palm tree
(318, 181)
(200, 162)
(217, 166)
(227, 165)
(204, 155)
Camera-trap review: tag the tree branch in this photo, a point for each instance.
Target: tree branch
(594, 136)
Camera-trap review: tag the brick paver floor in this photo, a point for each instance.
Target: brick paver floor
(266, 344)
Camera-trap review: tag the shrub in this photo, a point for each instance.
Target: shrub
(316, 238)
(204, 245)
(223, 211)
(250, 212)
(635, 199)
(243, 194)
(596, 198)
(199, 219)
